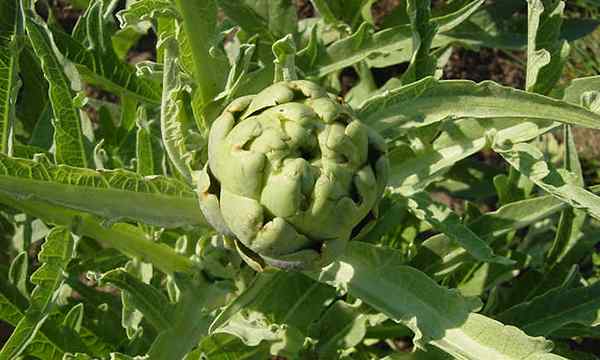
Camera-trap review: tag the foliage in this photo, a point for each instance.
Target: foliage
(108, 252)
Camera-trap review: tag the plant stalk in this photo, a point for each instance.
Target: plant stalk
(199, 23)
(123, 237)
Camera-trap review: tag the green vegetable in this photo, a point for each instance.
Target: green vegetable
(292, 176)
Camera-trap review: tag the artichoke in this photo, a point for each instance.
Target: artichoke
(291, 176)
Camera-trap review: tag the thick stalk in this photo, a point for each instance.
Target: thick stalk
(199, 23)
(123, 237)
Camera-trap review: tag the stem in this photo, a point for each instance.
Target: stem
(123, 237)
(199, 23)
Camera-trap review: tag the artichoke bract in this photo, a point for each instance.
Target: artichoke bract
(292, 176)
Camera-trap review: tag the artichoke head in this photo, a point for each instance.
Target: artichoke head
(291, 176)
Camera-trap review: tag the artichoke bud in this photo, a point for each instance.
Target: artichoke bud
(292, 176)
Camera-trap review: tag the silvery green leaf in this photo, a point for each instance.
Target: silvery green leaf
(128, 239)
(11, 33)
(442, 317)
(55, 255)
(411, 171)
(530, 162)
(70, 145)
(17, 273)
(120, 194)
(191, 316)
(428, 101)
(174, 122)
(153, 304)
(258, 315)
(546, 52)
(558, 307)
(285, 65)
(422, 62)
(145, 10)
(579, 87)
(364, 44)
(448, 222)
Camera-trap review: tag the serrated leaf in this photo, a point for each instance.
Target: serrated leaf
(70, 144)
(190, 318)
(510, 217)
(363, 44)
(102, 68)
(147, 152)
(148, 300)
(435, 314)
(342, 326)
(445, 220)
(55, 255)
(530, 162)
(119, 194)
(546, 52)
(277, 308)
(422, 63)
(17, 273)
(558, 307)
(227, 347)
(145, 10)
(284, 50)
(199, 28)
(578, 87)
(11, 33)
(429, 101)
(174, 122)
(127, 238)
(12, 307)
(412, 171)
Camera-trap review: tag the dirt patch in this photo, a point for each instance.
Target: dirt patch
(305, 9)
(485, 64)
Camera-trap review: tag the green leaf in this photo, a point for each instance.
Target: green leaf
(428, 101)
(131, 317)
(435, 314)
(546, 52)
(145, 10)
(49, 343)
(227, 347)
(55, 255)
(190, 317)
(147, 153)
(71, 146)
(125, 237)
(445, 220)
(111, 194)
(278, 308)
(270, 19)
(199, 22)
(438, 255)
(174, 122)
(325, 11)
(530, 162)
(11, 32)
(412, 170)
(571, 220)
(578, 87)
(549, 312)
(102, 68)
(147, 299)
(17, 273)
(363, 44)
(342, 326)
(285, 66)
(422, 63)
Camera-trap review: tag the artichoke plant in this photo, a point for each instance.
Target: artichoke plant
(292, 175)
